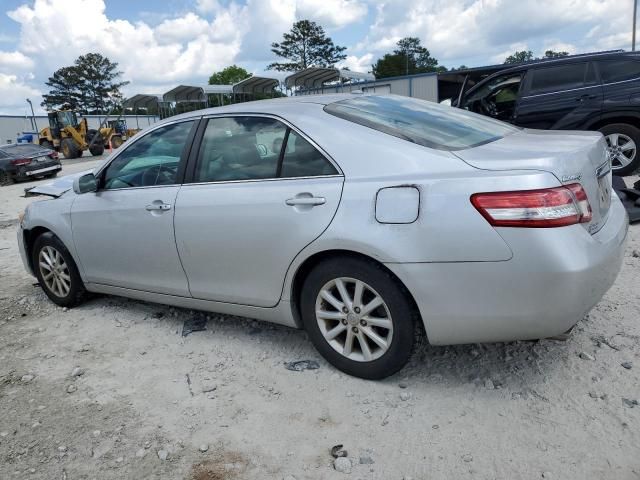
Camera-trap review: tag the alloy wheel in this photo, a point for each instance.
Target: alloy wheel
(354, 319)
(54, 271)
(621, 149)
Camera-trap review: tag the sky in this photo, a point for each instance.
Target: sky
(161, 44)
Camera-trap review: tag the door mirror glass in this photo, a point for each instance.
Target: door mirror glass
(85, 183)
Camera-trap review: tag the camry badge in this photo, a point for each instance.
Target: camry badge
(571, 178)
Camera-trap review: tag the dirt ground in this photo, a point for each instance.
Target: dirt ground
(112, 390)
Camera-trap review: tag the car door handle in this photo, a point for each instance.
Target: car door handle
(163, 207)
(310, 201)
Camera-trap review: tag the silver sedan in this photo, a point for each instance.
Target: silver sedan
(365, 220)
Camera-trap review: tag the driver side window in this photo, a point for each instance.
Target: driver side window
(151, 160)
(497, 98)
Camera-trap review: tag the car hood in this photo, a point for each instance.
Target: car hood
(55, 188)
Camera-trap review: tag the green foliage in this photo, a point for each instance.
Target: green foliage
(520, 56)
(229, 75)
(552, 54)
(306, 45)
(90, 85)
(409, 57)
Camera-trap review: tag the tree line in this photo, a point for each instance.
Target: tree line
(92, 84)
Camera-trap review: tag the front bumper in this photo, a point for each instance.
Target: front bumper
(555, 277)
(23, 251)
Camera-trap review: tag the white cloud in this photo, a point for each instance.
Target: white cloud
(358, 64)
(14, 92)
(12, 61)
(331, 13)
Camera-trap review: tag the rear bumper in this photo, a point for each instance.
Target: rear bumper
(37, 170)
(555, 277)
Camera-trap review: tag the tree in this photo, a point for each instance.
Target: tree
(520, 56)
(408, 58)
(306, 45)
(229, 76)
(90, 85)
(553, 54)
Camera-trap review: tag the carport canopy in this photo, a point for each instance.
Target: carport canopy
(185, 93)
(314, 77)
(256, 84)
(143, 100)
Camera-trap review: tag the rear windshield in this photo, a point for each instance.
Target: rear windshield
(418, 121)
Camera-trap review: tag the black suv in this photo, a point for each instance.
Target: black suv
(582, 92)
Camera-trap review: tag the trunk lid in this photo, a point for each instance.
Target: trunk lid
(571, 156)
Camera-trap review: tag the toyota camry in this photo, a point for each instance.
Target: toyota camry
(367, 220)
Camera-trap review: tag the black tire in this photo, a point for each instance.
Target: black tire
(69, 148)
(98, 146)
(403, 315)
(634, 134)
(5, 178)
(77, 292)
(47, 144)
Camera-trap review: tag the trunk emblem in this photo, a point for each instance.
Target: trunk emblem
(571, 178)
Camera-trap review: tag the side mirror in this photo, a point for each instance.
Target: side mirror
(85, 184)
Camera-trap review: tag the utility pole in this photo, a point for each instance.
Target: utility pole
(33, 116)
(633, 33)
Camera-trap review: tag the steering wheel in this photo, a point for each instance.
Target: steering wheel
(157, 175)
(489, 106)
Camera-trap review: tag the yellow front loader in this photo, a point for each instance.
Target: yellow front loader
(65, 134)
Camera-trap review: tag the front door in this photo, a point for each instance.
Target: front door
(261, 192)
(560, 97)
(124, 232)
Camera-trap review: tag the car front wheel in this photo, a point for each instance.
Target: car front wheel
(358, 317)
(56, 271)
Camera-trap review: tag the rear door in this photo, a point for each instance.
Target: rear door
(563, 97)
(260, 193)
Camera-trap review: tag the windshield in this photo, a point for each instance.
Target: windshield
(67, 119)
(419, 121)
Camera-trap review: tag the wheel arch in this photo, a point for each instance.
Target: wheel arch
(629, 118)
(310, 262)
(31, 234)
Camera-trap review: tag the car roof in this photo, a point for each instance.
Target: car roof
(265, 106)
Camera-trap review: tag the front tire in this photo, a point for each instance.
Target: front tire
(623, 142)
(358, 317)
(69, 148)
(56, 271)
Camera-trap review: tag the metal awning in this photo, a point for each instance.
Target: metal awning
(256, 84)
(143, 100)
(314, 77)
(185, 93)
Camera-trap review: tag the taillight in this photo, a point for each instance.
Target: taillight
(548, 207)
(21, 161)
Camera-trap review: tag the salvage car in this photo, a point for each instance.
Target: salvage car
(363, 219)
(598, 92)
(23, 161)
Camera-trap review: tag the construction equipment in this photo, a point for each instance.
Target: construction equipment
(65, 134)
(116, 132)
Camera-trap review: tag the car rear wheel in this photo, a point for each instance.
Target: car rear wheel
(358, 317)
(5, 178)
(56, 271)
(623, 142)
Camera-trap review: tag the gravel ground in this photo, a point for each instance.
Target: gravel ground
(112, 390)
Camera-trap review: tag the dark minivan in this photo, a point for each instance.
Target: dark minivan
(22, 161)
(582, 92)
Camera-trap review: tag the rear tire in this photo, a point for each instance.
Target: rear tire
(116, 141)
(98, 146)
(623, 142)
(47, 144)
(5, 178)
(69, 148)
(56, 271)
(371, 345)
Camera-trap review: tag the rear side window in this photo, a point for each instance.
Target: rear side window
(618, 70)
(422, 122)
(252, 148)
(561, 77)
